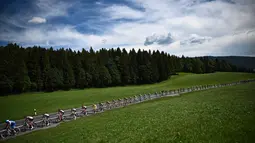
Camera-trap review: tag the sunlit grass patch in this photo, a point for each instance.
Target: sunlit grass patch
(216, 115)
(20, 105)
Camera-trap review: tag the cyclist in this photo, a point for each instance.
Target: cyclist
(10, 125)
(101, 106)
(120, 102)
(60, 114)
(84, 110)
(156, 93)
(46, 119)
(140, 97)
(29, 122)
(125, 101)
(108, 103)
(73, 113)
(130, 100)
(135, 98)
(94, 108)
(113, 103)
(144, 97)
(149, 95)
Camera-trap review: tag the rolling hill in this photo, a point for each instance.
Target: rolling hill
(239, 61)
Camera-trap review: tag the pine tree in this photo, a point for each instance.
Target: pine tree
(197, 66)
(124, 68)
(155, 72)
(68, 74)
(133, 67)
(114, 72)
(22, 81)
(54, 80)
(105, 77)
(6, 85)
(81, 81)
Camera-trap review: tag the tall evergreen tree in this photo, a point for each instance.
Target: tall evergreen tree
(197, 66)
(68, 75)
(133, 67)
(104, 76)
(114, 72)
(22, 81)
(124, 68)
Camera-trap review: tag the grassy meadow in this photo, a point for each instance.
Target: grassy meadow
(211, 116)
(16, 106)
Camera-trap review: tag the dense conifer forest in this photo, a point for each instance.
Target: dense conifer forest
(41, 69)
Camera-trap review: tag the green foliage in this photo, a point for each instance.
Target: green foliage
(51, 102)
(6, 85)
(216, 116)
(104, 76)
(21, 78)
(81, 81)
(197, 66)
(33, 86)
(54, 79)
(114, 73)
(64, 69)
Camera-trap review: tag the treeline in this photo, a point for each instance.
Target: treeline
(40, 69)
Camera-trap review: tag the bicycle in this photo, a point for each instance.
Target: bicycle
(9, 132)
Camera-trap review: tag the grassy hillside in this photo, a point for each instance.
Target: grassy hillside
(216, 115)
(15, 107)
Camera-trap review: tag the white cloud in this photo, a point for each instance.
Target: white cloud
(37, 20)
(122, 11)
(159, 39)
(195, 39)
(98, 2)
(53, 8)
(211, 24)
(241, 44)
(216, 20)
(41, 8)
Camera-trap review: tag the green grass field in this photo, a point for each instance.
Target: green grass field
(211, 116)
(17, 106)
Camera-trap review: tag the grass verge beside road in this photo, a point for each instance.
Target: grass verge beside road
(215, 115)
(17, 106)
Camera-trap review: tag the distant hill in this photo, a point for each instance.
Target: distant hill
(239, 61)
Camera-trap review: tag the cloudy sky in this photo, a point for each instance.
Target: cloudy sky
(179, 27)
